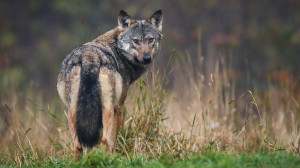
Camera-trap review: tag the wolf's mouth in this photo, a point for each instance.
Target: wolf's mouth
(141, 62)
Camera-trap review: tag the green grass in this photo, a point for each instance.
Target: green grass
(207, 160)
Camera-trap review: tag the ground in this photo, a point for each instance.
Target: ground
(207, 160)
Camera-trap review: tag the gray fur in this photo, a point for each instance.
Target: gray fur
(120, 56)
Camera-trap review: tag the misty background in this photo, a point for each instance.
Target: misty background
(258, 39)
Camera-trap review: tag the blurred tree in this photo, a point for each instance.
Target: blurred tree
(261, 37)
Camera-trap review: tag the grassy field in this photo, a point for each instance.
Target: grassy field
(199, 121)
(207, 160)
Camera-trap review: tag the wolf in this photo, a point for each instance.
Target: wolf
(95, 77)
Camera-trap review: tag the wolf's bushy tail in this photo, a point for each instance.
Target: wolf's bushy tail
(89, 111)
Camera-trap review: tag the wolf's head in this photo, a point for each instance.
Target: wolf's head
(139, 40)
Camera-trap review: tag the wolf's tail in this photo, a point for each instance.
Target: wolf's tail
(89, 111)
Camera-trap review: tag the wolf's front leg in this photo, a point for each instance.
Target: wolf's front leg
(118, 113)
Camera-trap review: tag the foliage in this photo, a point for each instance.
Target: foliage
(259, 42)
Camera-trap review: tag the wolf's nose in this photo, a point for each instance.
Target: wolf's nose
(147, 58)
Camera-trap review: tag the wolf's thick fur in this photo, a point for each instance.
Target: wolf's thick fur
(95, 77)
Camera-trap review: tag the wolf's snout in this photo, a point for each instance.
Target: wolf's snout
(147, 58)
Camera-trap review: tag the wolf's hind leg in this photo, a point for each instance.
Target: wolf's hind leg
(107, 85)
(73, 84)
(107, 140)
(77, 149)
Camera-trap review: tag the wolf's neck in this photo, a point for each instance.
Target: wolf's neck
(129, 71)
(108, 38)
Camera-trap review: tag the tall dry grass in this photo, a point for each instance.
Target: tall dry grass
(208, 109)
(200, 111)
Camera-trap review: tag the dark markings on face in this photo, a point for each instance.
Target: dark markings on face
(139, 42)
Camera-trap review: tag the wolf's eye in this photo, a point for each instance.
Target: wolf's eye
(136, 41)
(150, 40)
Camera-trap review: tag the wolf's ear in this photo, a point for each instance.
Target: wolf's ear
(156, 20)
(124, 20)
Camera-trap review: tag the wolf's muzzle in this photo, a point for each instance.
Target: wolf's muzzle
(147, 58)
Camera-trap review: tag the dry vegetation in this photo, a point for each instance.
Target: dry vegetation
(199, 112)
